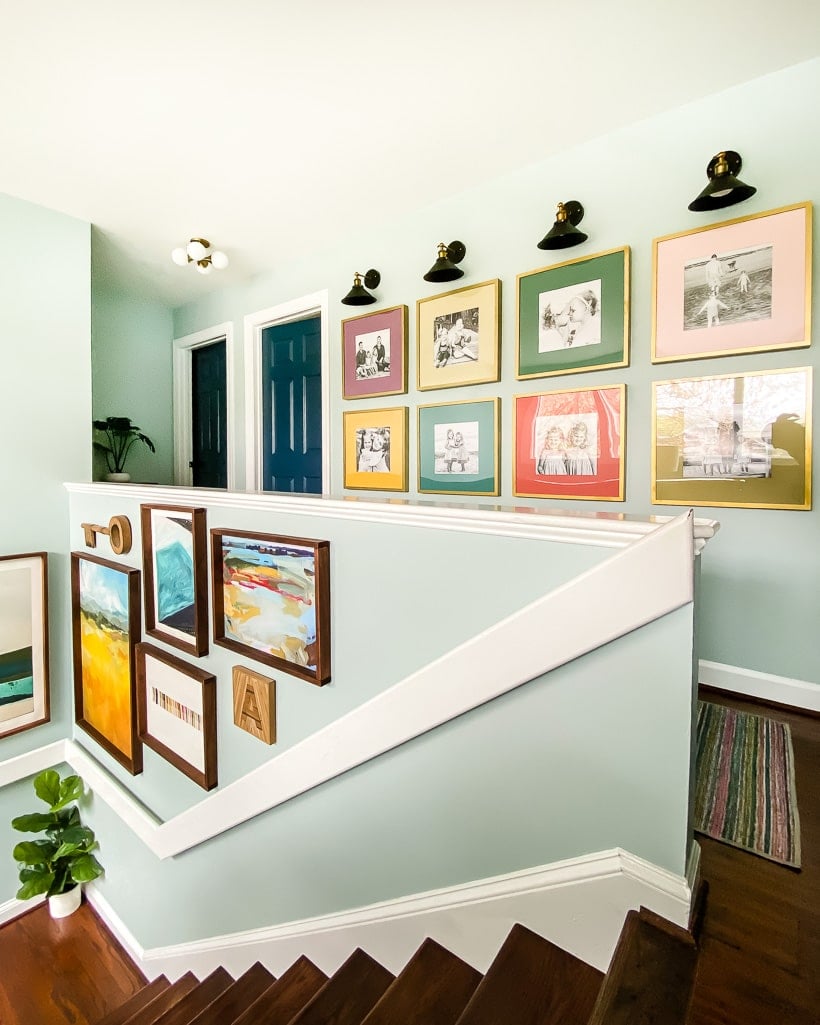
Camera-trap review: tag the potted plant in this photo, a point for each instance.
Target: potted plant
(119, 436)
(60, 861)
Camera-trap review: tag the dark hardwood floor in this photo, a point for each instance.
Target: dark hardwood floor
(760, 946)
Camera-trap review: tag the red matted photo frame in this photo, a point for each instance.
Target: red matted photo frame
(570, 444)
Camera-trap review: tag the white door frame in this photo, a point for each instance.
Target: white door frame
(315, 304)
(183, 401)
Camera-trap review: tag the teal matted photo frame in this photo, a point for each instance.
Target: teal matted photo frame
(459, 447)
(574, 316)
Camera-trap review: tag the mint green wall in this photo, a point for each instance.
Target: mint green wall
(760, 594)
(131, 376)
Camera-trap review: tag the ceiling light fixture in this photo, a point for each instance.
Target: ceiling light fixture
(358, 294)
(564, 233)
(199, 252)
(724, 188)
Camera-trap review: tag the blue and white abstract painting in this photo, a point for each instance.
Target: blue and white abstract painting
(174, 593)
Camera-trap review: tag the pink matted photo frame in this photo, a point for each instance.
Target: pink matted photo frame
(374, 354)
(738, 287)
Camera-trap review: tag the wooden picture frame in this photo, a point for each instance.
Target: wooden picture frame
(737, 287)
(24, 676)
(271, 600)
(458, 337)
(459, 447)
(374, 354)
(573, 317)
(375, 449)
(105, 620)
(175, 576)
(729, 440)
(570, 444)
(176, 713)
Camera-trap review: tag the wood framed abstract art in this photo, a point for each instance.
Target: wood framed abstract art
(24, 690)
(570, 444)
(375, 449)
(271, 600)
(458, 337)
(105, 619)
(374, 354)
(458, 448)
(175, 576)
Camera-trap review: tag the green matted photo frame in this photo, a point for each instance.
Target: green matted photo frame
(574, 316)
(733, 440)
(458, 447)
(458, 337)
(375, 449)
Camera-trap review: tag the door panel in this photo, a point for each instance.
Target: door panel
(209, 417)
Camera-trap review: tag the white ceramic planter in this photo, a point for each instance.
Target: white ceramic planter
(118, 478)
(63, 904)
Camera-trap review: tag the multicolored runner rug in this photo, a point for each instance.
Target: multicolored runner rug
(744, 784)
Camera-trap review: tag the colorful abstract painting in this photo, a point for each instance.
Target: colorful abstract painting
(23, 643)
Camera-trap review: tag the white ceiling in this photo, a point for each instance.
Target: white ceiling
(262, 126)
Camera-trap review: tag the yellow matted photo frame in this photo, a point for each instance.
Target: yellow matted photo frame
(458, 337)
(375, 449)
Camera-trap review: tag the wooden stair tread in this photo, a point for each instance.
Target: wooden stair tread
(533, 982)
(350, 993)
(237, 997)
(651, 975)
(138, 1002)
(165, 1001)
(432, 989)
(285, 997)
(200, 997)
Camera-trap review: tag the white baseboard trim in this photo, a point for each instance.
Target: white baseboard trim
(580, 904)
(763, 686)
(11, 909)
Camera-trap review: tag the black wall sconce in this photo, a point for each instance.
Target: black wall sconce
(358, 295)
(444, 269)
(564, 233)
(724, 188)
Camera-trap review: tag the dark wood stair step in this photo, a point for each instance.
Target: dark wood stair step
(533, 982)
(138, 1002)
(200, 997)
(237, 998)
(350, 993)
(432, 989)
(169, 998)
(651, 975)
(285, 997)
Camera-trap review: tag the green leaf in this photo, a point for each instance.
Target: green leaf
(71, 789)
(65, 850)
(86, 868)
(47, 786)
(78, 835)
(34, 823)
(34, 884)
(34, 852)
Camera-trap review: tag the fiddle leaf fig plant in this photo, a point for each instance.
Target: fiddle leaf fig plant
(63, 857)
(118, 437)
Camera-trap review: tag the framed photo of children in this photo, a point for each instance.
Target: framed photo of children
(458, 448)
(737, 287)
(374, 354)
(574, 316)
(733, 440)
(24, 691)
(375, 449)
(458, 337)
(570, 444)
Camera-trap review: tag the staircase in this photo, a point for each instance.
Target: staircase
(531, 981)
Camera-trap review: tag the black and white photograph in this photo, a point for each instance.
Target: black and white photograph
(456, 447)
(373, 354)
(570, 317)
(728, 288)
(456, 338)
(566, 445)
(373, 450)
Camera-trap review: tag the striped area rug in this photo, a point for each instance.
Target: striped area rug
(744, 788)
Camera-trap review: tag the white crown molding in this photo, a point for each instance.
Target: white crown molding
(762, 686)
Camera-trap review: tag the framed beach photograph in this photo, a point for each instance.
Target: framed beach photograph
(737, 287)
(574, 316)
(175, 576)
(458, 337)
(106, 621)
(24, 690)
(733, 440)
(459, 448)
(570, 444)
(374, 354)
(375, 449)
(271, 600)
(176, 713)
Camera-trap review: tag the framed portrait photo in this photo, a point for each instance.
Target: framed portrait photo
(24, 690)
(733, 440)
(458, 337)
(375, 449)
(574, 316)
(737, 287)
(176, 713)
(374, 354)
(459, 448)
(570, 444)
(175, 576)
(105, 619)
(271, 600)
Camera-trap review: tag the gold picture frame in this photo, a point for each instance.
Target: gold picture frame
(459, 447)
(458, 337)
(375, 449)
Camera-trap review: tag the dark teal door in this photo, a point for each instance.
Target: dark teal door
(292, 407)
(209, 425)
